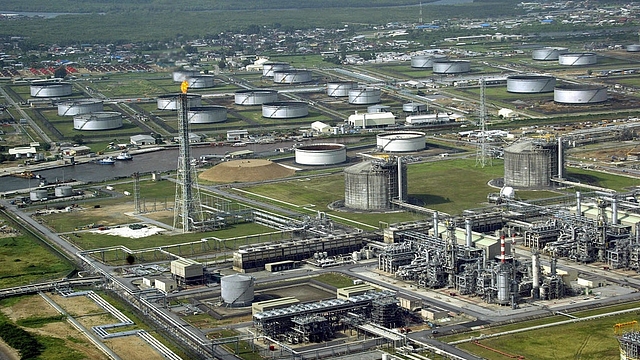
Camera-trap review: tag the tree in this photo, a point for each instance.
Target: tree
(222, 64)
(130, 259)
(78, 139)
(60, 72)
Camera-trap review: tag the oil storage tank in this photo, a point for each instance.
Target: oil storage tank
(580, 94)
(201, 81)
(207, 114)
(364, 96)
(255, 97)
(292, 76)
(77, 107)
(269, 68)
(321, 154)
(530, 84)
(182, 75)
(425, 61)
(401, 141)
(237, 290)
(285, 110)
(63, 191)
(106, 120)
(170, 101)
(577, 59)
(50, 89)
(548, 53)
(38, 195)
(340, 88)
(371, 185)
(451, 66)
(633, 48)
(530, 163)
(413, 107)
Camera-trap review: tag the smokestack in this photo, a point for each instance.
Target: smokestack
(435, 224)
(560, 162)
(578, 203)
(400, 179)
(468, 225)
(614, 210)
(535, 269)
(502, 256)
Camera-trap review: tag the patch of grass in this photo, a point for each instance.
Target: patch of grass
(56, 349)
(334, 279)
(37, 322)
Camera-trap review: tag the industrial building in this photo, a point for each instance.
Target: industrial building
(187, 271)
(369, 120)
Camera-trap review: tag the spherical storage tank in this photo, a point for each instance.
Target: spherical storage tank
(77, 107)
(37, 195)
(255, 97)
(321, 154)
(237, 289)
(530, 164)
(106, 120)
(207, 114)
(580, 94)
(50, 89)
(548, 53)
(200, 81)
(633, 48)
(425, 61)
(371, 185)
(577, 59)
(340, 88)
(401, 141)
(451, 66)
(364, 96)
(63, 191)
(292, 76)
(530, 84)
(170, 101)
(269, 68)
(285, 109)
(182, 75)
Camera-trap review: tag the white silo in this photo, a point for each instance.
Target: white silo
(237, 290)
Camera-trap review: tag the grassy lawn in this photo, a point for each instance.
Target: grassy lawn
(334, 279)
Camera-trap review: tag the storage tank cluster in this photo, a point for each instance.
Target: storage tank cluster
(371, 185)
(530, 84)
(285, 110)
(451, 66)
(340, 88)
(269, 68)
(580, 94)
(170, 101)
(201, 81)
(50, 89)
(401, 141)
(255, 97)
(531, 163)
(105, 120)
(577, 59)
(77, 107)
(183, 75)
(38, 195)
(207, 114)
(548, 53)
(364, 96)
(321, 154)
(426, 61)
(292, 76)
(237, 290)
(63, 191)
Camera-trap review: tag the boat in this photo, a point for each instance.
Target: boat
(25, 175)
(124, 156)
(106, 161)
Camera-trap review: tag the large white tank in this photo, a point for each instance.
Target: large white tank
(106, 120)
(292, 76)
(401, 141)
(451, 66)
(364, 96)
(530, 84)
(201, 81)
(170, 101)
(269, 68)
(340, 88)
(413, 107)
(207, 114)
(580, 94)
(63, 191)
(182, 75)
(50, 89)
(548, 53)
(285, 110)
(577, 59)
(425, 61)
(37, 195)
(77, 107)
(633, 48)
(255, 97)
(237, 289)
(321, 154)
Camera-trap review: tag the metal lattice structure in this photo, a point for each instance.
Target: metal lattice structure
(136, 193)
(482, 153)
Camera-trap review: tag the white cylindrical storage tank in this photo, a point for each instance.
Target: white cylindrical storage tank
(237, 289)
(340, 88)
(207, 114)
(285, 110)
(106, 120)
(50, 89)
(292, 76)
(77, 107)
(321, 154)
(364, 96)
(503, 288)
(255, 97)
(425, 61)
(182, 75)
(530, 84)
(401, 141)
(633, 48)
(378, 109)
(63, 191)
(580, 94)
(201, 81)
(577, 59)
(548, 53)
(269, 68)
(170, 101)
(451, 66)
(414, 107)
(37, 195)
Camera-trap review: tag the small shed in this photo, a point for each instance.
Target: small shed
(142, 140)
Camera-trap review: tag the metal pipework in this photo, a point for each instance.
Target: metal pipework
(614, 210)
(400, 178)
(468, 223)
(435, 224)
(560, 156)
(578, 203)
(502, 255)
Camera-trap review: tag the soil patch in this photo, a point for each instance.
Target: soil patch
(133, 348)
(77, 305)
(246, 170)
(29, 307)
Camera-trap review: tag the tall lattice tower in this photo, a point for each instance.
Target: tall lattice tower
(482, 155)
(187, 211)
(136, 193)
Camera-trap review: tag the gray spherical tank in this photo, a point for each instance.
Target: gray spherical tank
(530, 84)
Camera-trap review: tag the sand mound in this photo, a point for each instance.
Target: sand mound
(246, 170)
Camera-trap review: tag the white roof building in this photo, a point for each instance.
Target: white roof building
(506, 113)
(320, 127)
(142, 140)
(365, 120)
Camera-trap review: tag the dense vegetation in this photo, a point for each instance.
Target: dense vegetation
(21, 340)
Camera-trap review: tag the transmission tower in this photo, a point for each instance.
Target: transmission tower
(482, 157)
(420, 20)
(136, 193)
(187, 212)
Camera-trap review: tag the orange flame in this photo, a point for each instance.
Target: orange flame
(184, 86)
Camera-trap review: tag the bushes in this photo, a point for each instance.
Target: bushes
(21, 340)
